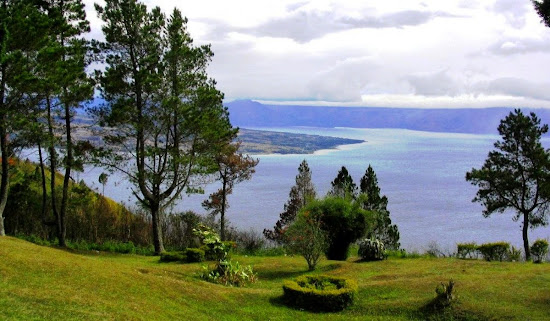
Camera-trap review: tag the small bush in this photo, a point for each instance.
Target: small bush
(229, 273)
(250, 242)
(467, 250)
(514, 255)
(539, 249)
(494, 251)
(371, 250)
(444, 294)
(194, 255)
(172, 257)
(320, 293)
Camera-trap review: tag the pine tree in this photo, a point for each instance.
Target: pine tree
(169, 118)
(300, 195)
(343, 185)
(372, 201)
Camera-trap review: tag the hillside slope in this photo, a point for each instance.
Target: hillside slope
(247, 113)
(41, 283)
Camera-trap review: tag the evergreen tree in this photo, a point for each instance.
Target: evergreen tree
(300, 195)
(516, 176)
(343, 185)
(64, 86)
(372, 201)
(22, 30)
(169, 118)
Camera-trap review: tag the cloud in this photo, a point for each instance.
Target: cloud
(513, 10)
(306, 25)
(435, 84)
(516, 87)
(513, 46)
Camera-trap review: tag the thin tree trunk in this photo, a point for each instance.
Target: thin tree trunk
(525, 237)
(157, 229)
(53, 166)
(44, 190)
(4, 184)
(66, 179)
(222, 212)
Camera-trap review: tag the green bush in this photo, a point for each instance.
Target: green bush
(371, 250)
(320, 293)
(194, 255)
(229, 273)
(467, 250)
(344, 222)
(514, 255)
(539, 249)
(172, 257)
(494, 251)
(306, 237)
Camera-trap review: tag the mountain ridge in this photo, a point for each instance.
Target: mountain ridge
(249, 113)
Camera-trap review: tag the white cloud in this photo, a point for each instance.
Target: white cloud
(356, 52)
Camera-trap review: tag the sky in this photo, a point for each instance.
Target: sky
(391, 53)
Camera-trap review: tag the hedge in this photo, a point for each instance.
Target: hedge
(320, 293)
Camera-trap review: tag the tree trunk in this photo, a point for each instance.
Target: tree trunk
(157, 229)
(4, 184)
(66, 180)
(222, 212)
(525, 238)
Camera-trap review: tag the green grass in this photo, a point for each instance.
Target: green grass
(42, 283)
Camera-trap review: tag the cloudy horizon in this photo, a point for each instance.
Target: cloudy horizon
(431, 53)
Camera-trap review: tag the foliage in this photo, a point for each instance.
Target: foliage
(224, 271)
(383, 228)
(300, 194)
(194, 255)
(306, 237)
(497, 251)
(371, 250)
(250, 242)
(466, 250)
(320, 293)
(177, 229)
(229, 273)
(516, 175)
(232, 168)
(343, 185)
(169, 117)
(343, 221)
(173, 257)
(539, 250)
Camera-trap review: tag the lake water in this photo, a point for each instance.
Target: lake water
(421, 173)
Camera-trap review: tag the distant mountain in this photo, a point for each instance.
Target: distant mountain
(247, 113)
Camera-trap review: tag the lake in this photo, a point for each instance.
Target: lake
(421, 173)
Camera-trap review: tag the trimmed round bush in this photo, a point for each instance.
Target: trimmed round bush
(172, 257)
(539, 249)
(194, 255)
(319, 293)
(371, 250)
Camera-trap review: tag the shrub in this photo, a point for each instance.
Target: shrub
(494, 251)
(320, 293)
(172, 257)
(344, 222)
(229, 273)
(194, 255)
(250, 242)
(466, 250)
(306, 237)
(371, 250)
(539, 249)
(514, 255)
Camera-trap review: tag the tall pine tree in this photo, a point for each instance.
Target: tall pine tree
(300, 195)
(372, 201)
(343, 185)
(168, 118)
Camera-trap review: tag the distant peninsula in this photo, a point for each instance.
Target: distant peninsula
(270, 142)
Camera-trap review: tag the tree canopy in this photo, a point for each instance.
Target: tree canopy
(516, 175)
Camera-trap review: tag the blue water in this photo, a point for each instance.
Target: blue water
(421, 173)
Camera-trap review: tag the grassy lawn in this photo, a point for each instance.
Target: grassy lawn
(41, 283)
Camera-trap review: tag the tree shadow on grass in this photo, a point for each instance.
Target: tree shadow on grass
(272, 275)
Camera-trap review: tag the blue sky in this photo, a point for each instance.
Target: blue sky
(391, 53)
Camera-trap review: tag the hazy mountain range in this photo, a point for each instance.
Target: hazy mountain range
(248, 113)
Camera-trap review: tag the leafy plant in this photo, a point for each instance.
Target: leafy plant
(539, 249)
(371, 250)
(444, 295)
(467, 250)
(494, 251)
(194, 255)
(306, 237)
